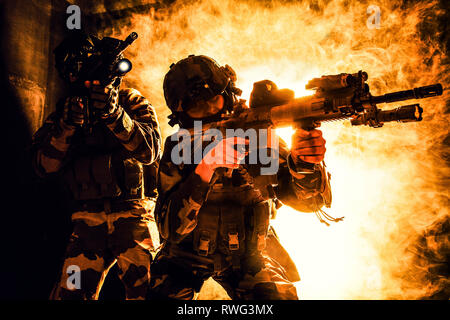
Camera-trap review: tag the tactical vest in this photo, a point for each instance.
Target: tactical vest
(100, 167)
(235, 217)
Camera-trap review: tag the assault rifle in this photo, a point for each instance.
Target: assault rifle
(337, 97)
(107, 65)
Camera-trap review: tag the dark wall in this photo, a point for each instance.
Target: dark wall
(35, 220)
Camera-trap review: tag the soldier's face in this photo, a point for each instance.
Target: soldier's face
(204, 109)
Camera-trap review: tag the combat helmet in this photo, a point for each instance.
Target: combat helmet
(72, 53)
(80, 57)
(198, 78)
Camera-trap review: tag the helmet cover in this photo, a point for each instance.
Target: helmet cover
(192, 79)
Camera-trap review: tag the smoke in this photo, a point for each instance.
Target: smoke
(391, 184)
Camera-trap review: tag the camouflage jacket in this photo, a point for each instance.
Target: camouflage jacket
(182, 193)
(134, 125)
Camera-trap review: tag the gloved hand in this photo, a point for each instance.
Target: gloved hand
(73, 113)
(223, 155)
(105, 100)
(308, 146)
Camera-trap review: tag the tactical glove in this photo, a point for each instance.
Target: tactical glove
(228, 153)
(104, 100)
(73, 114)
(308, 146)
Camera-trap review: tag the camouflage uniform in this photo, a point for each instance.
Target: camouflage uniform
(106, 171)
(221, 229)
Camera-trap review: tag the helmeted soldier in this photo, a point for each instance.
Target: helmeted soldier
(216, 224)
(103, 155)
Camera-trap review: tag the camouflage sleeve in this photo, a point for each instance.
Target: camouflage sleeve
(181, 194)
(136, 126)
(303, 192)
(50, 145)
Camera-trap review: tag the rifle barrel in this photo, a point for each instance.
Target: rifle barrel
(416, 93)
(127, 42)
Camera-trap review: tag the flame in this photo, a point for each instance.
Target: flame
(389, 183)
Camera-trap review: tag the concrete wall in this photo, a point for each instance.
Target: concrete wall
(31, 31)
(27, 39)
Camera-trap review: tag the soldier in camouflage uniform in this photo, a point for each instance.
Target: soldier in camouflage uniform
(215, 224)
(105, 169)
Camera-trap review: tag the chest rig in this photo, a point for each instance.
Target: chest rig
(100, 168)
(235, 218)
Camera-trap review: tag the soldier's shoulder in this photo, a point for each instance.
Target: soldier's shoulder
(129, 92)
(131, 96)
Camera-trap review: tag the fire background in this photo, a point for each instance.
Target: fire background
(391, 184)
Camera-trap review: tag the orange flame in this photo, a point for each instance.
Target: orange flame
(388, 182)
